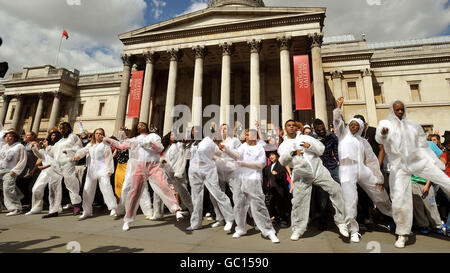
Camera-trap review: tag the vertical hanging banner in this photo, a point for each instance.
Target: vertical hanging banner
(302, 83)
(134, 105)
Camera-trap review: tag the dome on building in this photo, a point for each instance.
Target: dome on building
(248, 3)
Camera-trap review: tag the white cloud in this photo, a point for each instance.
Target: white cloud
(31, 32)
(157, 8)
(391, 20)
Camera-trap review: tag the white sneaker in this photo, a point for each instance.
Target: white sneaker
(238, 234)
(179, 215)
(274, 238)
(31, 212)
(68, 206)
(14, 212)
(84, 216)
(295, 235)
(113, 213)
(343, 230)
(401, 241)
(125, 226)
(228, 226)
(355, 238)
(208, 214)
(218, 224)
(190, 228)
(156, 217)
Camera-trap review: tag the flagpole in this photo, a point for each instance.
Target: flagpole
(59, 49)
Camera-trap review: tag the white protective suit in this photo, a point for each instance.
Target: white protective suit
(247, 191)
(12, 158)
(308, 170)
(100, 163)
(143, 163)
(203, 172)
(226, 170)
(63, 167)
(45, 177)
(409, 153)
(358, 164)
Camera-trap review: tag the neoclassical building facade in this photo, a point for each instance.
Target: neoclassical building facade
(238, 52)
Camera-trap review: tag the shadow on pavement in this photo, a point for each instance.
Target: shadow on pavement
(19, 247)
(115, 249)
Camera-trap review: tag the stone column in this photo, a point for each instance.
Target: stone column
(255, 85)
(320, 102)
(150, 58)
(370, 98)
(124, 89)
(175, 55)
(225, 89)
(55, 110)
(38, 116)
(337, 83)
(197, 106)
(286, 87)
(4, 111)
(17, 113)
(152, 103)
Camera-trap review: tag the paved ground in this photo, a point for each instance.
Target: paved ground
(103, 234)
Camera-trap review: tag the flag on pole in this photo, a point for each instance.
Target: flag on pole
(65, 34)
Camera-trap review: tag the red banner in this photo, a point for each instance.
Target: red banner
(134, 105)
(302, 83)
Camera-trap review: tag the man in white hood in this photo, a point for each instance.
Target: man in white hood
(358, 164)
(405, 143)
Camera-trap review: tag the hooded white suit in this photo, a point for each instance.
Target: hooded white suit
(358, 164)
(409, 154)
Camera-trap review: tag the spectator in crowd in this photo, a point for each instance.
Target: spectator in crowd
(306, 130)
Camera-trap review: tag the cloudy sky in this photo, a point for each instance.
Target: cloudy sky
(31, 30)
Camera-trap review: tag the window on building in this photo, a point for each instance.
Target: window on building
(80, 109)
(378, 94)
(352, 91)
(13, 110)
(428, 129)
(101, 109)
(415, 92)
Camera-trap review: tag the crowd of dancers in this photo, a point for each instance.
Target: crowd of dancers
(272, 180)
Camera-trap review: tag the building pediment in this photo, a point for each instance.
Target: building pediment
(223, 19)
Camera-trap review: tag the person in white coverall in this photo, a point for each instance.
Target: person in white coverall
(226, 169)
(46, 177)
(203, 172)
(13, 160)
(145, 151)
(302, 153)
(63, 167)
(251, 158)
(409, 153)
(358, 164)
(100, 167)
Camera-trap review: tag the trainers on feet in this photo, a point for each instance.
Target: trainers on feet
(84, 216)
(439, 231)
(343, 230)
(401, 241)
(238, 234)
(274, 238)
(68, 206)
(125, 226)
(228, 226)
(113, 213)
(76, 210)
(50, 215)
(14, 212)
(190, 228)
(424, 231)
(218, 224)
(31, 212)
(296, 235)
(355, 238)
(179, 215)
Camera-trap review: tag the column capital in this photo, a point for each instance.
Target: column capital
(57, 94)
(175, 54)
(227, 49)
(41, 95)
(151, 57)
(6, 98)
(19, 97)
(315, 39)
(200, 52)
(255, 46)
(366, 72)
(284, 43)
(127, 59)
(336, 74)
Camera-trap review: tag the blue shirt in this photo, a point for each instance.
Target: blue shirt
(435, 148)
